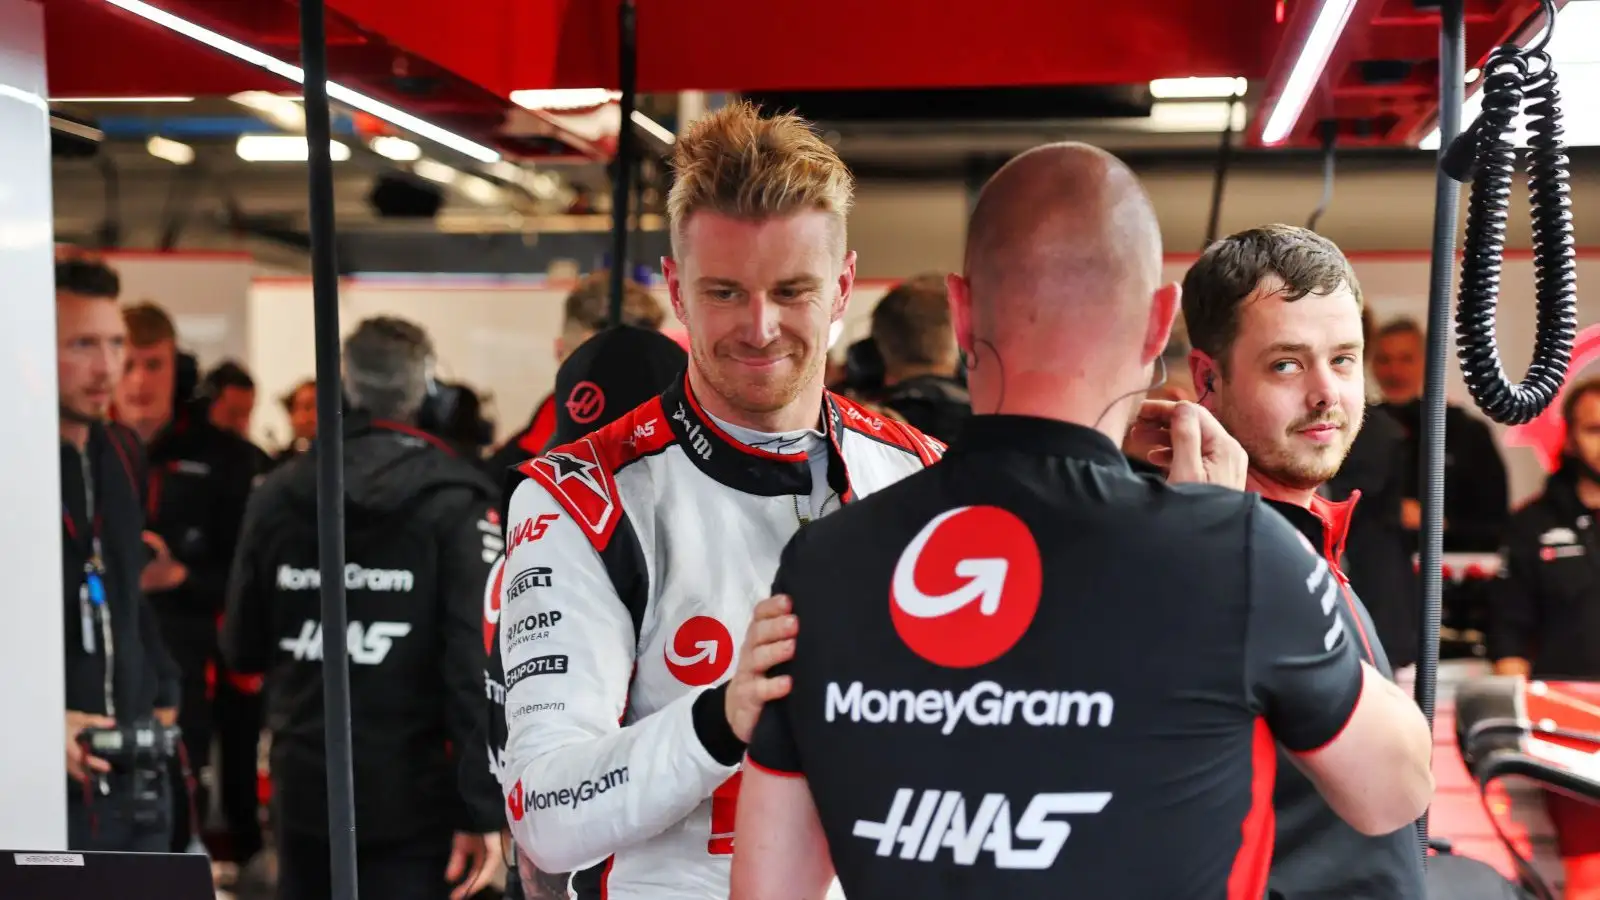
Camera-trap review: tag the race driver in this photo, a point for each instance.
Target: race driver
(1274, 316)
(993, 693)
(620, 368)
(646, 545)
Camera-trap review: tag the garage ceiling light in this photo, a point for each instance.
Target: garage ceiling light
(1198, 88)
(283, 148)
(175, 152)
(348, 97)
(1576, 57)
(396, 148)
(1303, 77)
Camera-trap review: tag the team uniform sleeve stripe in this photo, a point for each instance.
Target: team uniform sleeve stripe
(751, 762)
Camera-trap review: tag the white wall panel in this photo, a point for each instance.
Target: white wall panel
(33, 800)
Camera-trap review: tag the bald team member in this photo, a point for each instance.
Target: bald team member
(991, 693)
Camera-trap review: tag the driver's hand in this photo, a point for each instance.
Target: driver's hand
(768, 641)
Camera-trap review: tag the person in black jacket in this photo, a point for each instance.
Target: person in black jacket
(200, 477)
(422, 530)
(585, 313)
(1476, 501)
(1544, 621)
(911, 328)
(117, 668)
(1378, 558)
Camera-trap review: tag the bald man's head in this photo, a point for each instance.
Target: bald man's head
(1063, 228)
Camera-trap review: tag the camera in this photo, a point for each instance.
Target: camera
(139, 754)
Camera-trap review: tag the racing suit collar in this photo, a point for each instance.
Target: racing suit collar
(750, 470)
(1035, 435)
(1326, 523)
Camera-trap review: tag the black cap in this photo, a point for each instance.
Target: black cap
(610, 374)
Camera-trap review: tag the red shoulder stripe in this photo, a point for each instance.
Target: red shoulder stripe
(859, 419)
(581, 475)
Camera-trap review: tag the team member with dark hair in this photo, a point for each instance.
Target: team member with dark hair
(609, 375)
(583, 315)
(117, 668)
(232, 393)
(421, 533)
(993, 692)
(911, 328)
(300, 405)
(200, 478)
(1274, 314)
(1476, 502)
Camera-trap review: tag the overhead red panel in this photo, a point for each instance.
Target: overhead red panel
(95, 49)
(740, 45)
(1384, 111)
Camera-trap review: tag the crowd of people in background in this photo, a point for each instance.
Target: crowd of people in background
(191, 559)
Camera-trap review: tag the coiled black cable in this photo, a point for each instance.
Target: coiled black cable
(1483, 154)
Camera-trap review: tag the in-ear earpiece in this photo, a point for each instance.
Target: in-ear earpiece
(1211, 385)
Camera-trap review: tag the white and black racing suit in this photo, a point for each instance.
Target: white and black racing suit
(635, 557)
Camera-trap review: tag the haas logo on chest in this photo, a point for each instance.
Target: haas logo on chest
(700, 652)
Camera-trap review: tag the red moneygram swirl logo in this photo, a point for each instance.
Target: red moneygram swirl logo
(514, 801)
(967, 586)
(700, 651)
(586, 402)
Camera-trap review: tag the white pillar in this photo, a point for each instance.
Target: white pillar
(691, 106)
(33, 799)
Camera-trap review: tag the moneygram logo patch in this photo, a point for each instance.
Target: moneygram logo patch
(967, 587)
(984, 704)
(574, 797)
(514, 802)
(700, 651)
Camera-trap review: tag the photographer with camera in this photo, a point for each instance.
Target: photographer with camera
(122, 688)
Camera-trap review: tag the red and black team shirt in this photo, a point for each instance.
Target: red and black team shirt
(1030, 670)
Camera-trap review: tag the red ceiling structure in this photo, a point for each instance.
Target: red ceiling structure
(456, 64)
(1396, 101)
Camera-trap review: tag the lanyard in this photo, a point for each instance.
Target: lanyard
(92, 610)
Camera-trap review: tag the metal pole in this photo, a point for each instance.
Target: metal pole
(1447, 203)
(330, 457)
(627, 144)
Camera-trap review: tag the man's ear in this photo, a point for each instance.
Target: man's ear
(669, 270)
(847, 282)
(960, 311)
(1206, 374)
(1164, 304)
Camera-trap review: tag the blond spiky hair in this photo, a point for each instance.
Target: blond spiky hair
(736, 163)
